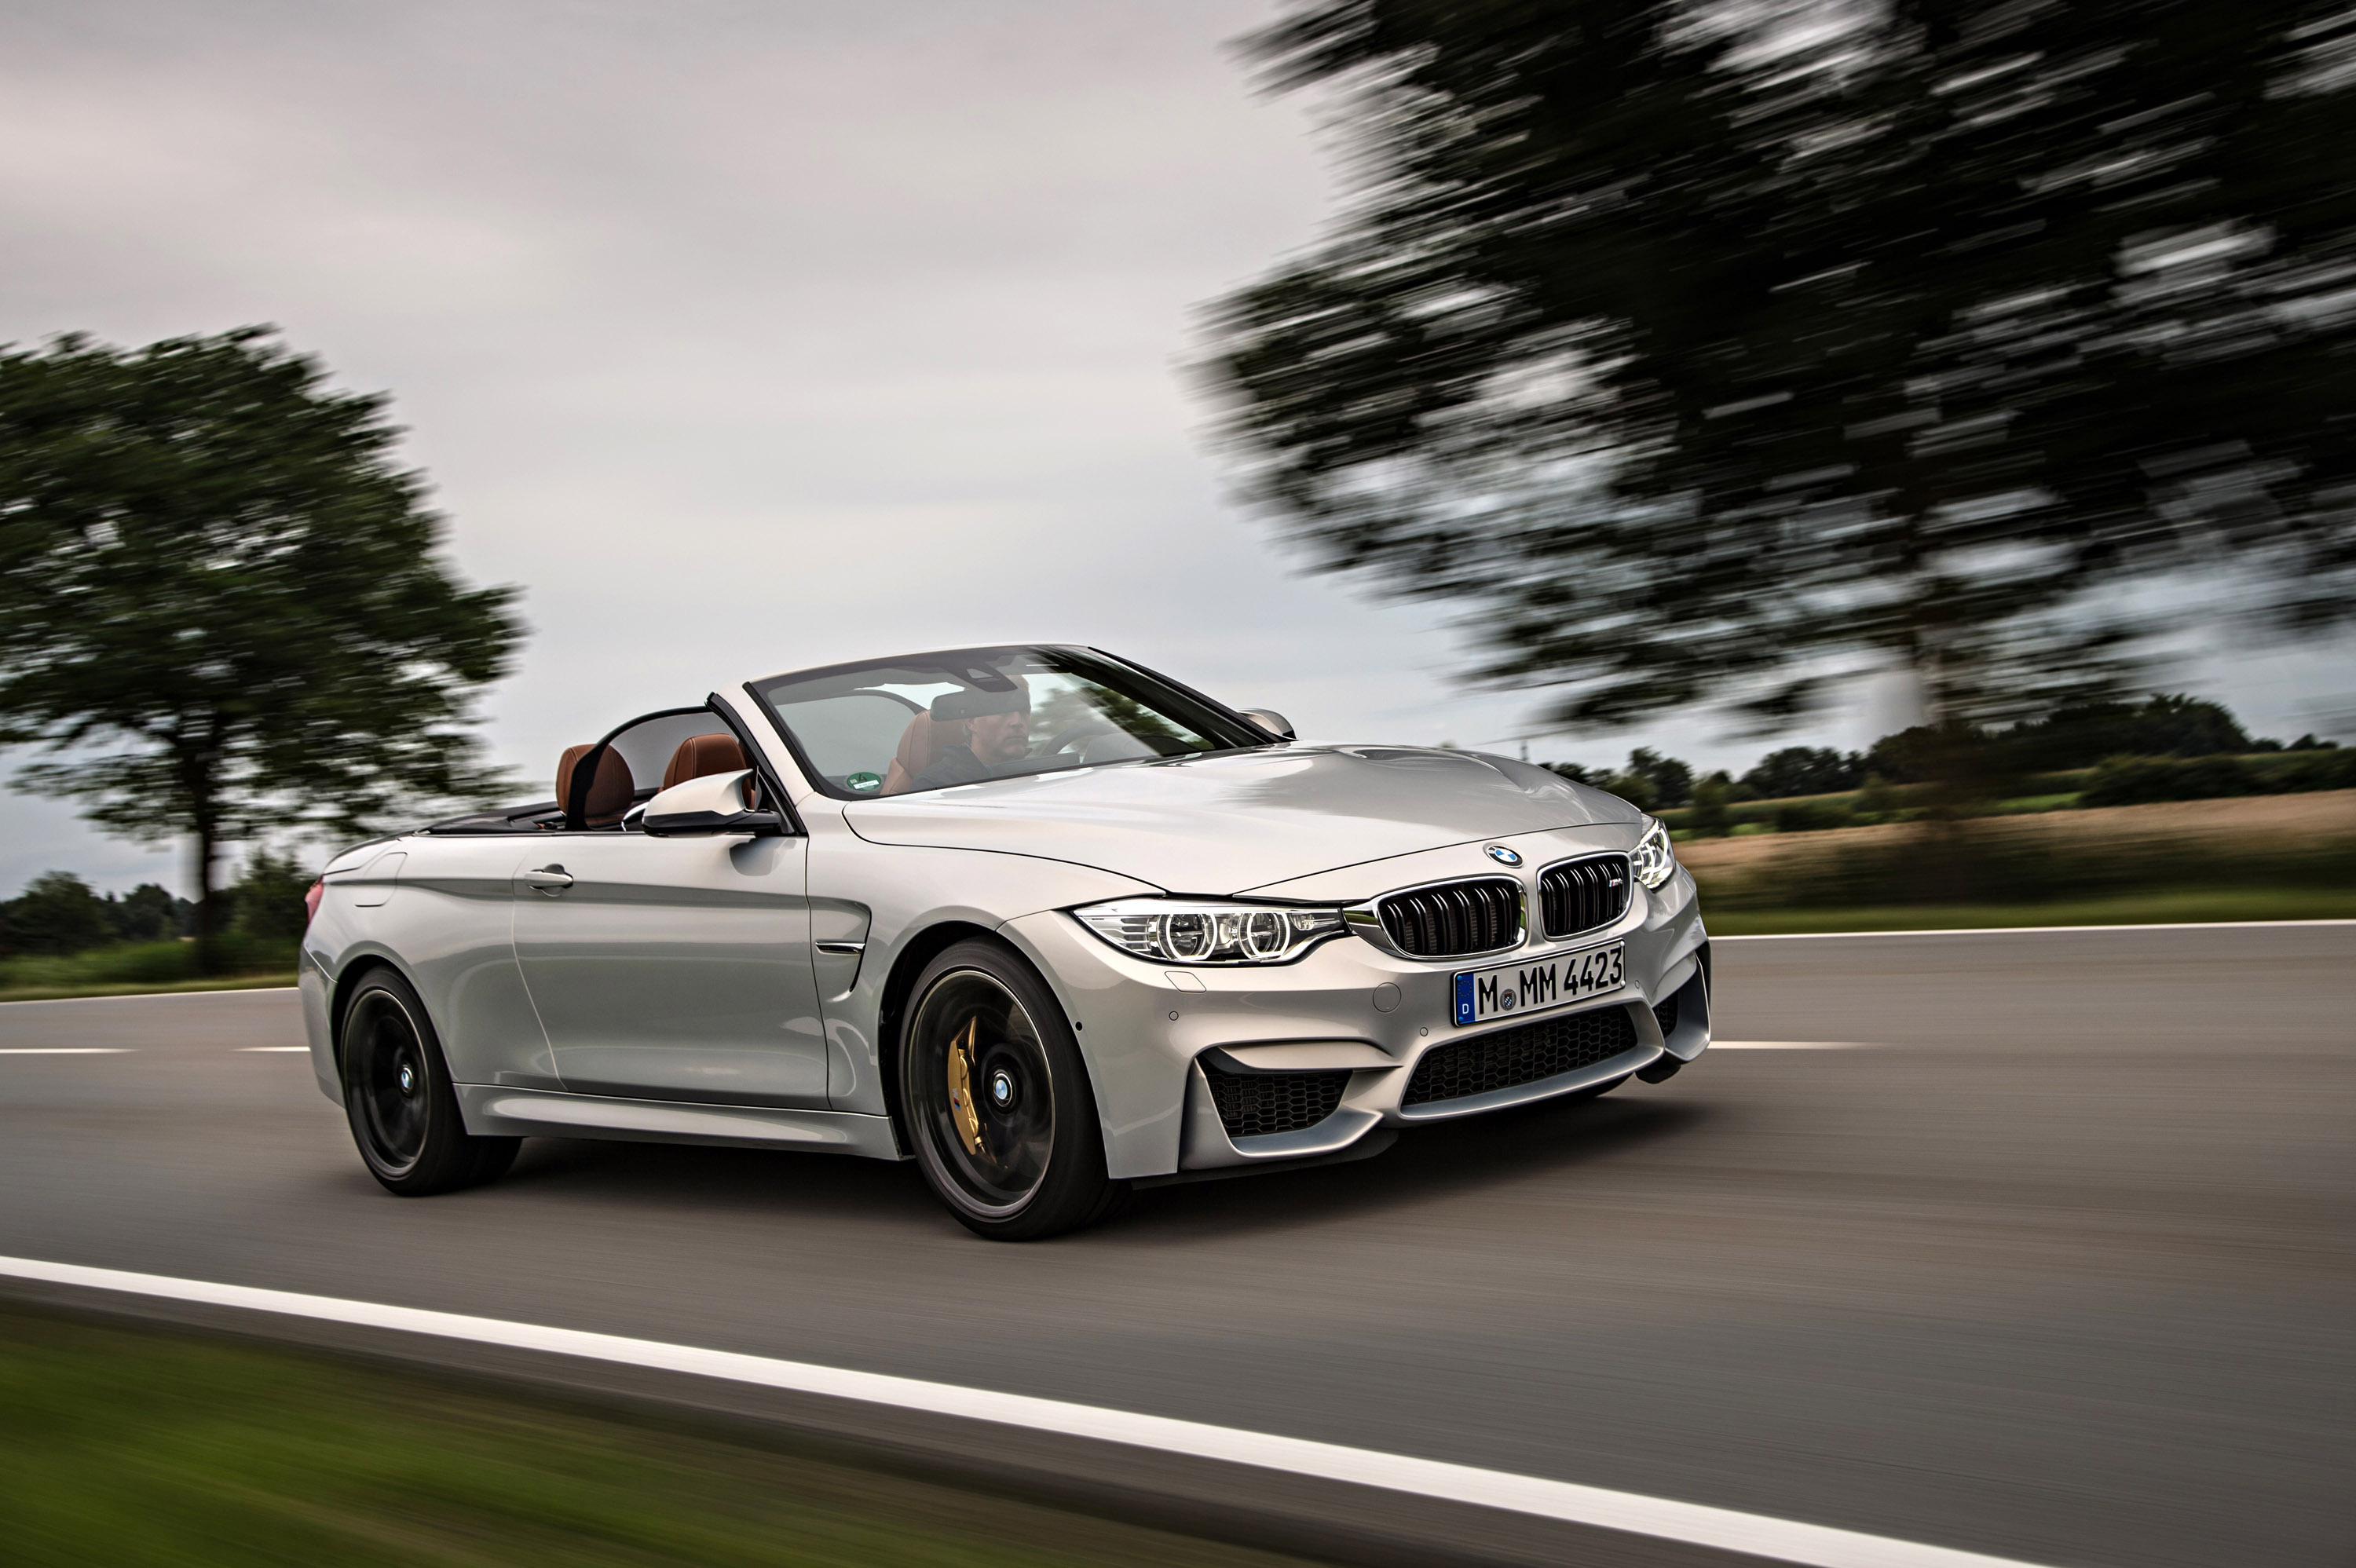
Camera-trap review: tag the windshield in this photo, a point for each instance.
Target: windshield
(934, 721)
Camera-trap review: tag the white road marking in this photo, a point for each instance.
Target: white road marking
(1787, 1540)
(251, 1049)
(2030, 930)
(148, 996)
(1791, 1045)
(66, 1049)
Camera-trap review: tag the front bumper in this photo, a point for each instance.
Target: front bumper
(1163, 1043)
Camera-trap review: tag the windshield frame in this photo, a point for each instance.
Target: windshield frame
(1158, 691)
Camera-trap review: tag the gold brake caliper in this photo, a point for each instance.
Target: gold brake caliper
(969, 1124)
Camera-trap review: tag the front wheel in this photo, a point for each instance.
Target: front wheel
(398, 1098)
(996, 1098)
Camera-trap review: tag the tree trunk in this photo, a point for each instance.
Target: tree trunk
(210, 959)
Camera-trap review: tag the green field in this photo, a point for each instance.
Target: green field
(133, 1448)
(2157, 908)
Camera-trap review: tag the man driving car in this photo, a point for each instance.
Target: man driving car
(998, 724)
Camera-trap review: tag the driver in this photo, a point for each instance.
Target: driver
(998, 724)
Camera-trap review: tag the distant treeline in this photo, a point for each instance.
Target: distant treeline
(59, 913)
(2111, 735)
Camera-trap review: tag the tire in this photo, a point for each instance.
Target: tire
(1022, 1158)
(397, 1096)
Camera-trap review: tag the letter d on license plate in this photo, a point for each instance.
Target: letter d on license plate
(1486, 994)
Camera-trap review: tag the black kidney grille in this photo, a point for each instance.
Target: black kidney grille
(1254, 1105)
(1455, 918)
(1580, 895)
(1515, 1056)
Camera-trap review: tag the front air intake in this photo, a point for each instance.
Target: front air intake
(1257, 1104)
(1509, 1058)
(1454, 919)
(1583, 894)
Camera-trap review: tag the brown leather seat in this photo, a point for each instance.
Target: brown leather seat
(925, 738)
(700, 756)
(607, 794)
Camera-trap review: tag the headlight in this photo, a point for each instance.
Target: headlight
(1189, 930)
(1654, 861)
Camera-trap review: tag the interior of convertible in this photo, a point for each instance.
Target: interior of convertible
(602, 784)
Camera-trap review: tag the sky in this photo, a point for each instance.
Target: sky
(745, 336)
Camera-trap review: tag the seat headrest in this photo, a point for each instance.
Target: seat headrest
(700, 756)
(604, 795)
(925, 738)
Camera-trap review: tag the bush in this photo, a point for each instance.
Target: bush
(1810, 817)
(57, 913)
(1709, 817)
(2140, 780)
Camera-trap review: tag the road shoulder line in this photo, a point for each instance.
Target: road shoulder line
(1695, 1525)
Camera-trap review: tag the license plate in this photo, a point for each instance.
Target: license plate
(1486, 994)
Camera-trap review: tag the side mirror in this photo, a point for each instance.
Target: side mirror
(1270, 720)
(713, 804)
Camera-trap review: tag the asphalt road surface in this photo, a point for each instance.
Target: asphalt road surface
(2054, 1262)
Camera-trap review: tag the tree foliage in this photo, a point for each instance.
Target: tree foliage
(214, 576)
(1707, 352)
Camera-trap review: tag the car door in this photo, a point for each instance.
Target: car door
(674, 969)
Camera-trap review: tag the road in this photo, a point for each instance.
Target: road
(2054, 1263)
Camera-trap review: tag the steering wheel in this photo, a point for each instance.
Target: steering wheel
(1085, 729)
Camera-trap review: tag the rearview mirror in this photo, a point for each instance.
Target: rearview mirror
(1270, 720)
(713, 804)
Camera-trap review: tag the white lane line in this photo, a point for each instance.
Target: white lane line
(251, 1049)
(1816, 1545)
(66, 1049)
(1791, 1045)
(2032, 930)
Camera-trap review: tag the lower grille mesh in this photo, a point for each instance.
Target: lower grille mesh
(1515, 1056)
(1254, 1105)
(1668, 1014)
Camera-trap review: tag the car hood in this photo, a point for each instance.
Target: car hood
(1228, 823)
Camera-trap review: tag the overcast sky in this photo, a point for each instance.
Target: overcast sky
(750, 336)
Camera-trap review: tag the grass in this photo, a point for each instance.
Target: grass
(134, 967)
(137, 1447)
(2161, 907)
(135, 988)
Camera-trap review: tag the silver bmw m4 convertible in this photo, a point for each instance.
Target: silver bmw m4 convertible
(1044, 922)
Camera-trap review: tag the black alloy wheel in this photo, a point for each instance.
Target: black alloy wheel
(996, 1098)
(398, 1098)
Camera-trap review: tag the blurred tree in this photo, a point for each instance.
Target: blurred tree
(1804, 770)
(2081, 734)
(1724, 352)
(208, 556)
(1709, 817)
(57, 913)
(1671, 780)
(147, 913)
(268, 899)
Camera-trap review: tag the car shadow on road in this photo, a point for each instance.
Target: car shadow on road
(1446, 1158)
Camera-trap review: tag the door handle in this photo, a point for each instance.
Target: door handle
(549, 879)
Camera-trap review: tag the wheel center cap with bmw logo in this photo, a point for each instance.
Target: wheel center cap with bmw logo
(1503, 856)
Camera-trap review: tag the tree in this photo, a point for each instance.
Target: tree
(57, 913)
(147, 913)
(1671, 780)
(1708, 353)
(210, 562)
(1804, 770)
(2082, 734)
(1709, 817)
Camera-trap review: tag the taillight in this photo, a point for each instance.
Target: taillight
(311, 899)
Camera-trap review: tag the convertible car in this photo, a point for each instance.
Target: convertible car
(1044, 922)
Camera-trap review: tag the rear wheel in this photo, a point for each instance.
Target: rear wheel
(397, 1096)
(996, 1098)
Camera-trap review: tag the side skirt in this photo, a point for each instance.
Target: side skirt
(494, 1112)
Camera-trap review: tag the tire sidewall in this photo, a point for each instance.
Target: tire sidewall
(446, 1157)
(1073, 1188)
